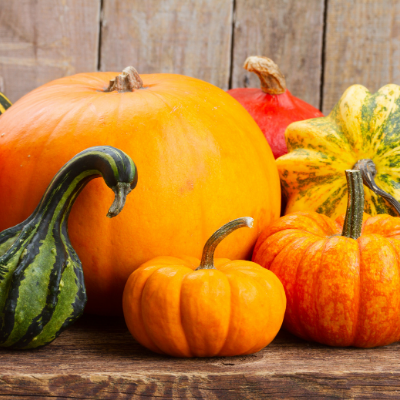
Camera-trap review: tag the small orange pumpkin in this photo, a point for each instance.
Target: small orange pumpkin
(343, 287)
(223, 308)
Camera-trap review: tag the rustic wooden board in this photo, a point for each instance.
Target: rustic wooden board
(41, 40)
(176, 36)
(362, 46)
(98, 359)
(290, 33)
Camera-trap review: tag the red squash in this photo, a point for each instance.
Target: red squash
(273, 107)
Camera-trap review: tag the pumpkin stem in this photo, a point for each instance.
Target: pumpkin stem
(271, 78)
(355, 205)
(368, 173)
(207, 259)
(128, 81)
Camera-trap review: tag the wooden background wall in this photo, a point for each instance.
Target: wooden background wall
(322, 46)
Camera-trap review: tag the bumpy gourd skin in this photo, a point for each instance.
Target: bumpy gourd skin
(42, 289)
(340, 291)
(361, 126)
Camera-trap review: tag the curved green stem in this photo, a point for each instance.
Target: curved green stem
(368, 173)
(355, 205)
(207, 259)
(117, 169)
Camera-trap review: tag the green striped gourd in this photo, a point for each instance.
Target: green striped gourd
(4, 103)
(362, 132)
(42, 288)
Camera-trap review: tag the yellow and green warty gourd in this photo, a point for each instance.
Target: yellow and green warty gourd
(362, 132)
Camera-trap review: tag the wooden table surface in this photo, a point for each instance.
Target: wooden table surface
(98, 359)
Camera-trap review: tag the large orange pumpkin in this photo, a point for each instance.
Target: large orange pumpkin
(201, 160)
(342, 286)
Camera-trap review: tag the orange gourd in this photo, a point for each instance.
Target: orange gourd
(187, 308)
(202, 161)
(342, 286)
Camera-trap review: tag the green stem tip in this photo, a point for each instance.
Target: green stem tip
(121, 190)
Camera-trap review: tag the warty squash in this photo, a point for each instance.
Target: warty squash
(363, 128)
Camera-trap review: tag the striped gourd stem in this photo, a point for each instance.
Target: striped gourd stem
(42, 289)
(355, 205)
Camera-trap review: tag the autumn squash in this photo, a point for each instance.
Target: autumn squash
(185, 307)
(202, 160)
(4, 103)
(272, 106)
(362, 128)
(342, 284)
(42, 289)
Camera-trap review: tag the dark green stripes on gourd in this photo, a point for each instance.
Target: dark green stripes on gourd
(42, 288)
(4, 103)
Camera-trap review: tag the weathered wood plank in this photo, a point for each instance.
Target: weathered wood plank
(362, 46)
(175, 36)
(290, 33)
(41, 40)
(98, 359)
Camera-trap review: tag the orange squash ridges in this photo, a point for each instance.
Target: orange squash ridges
(342, 289)
(187, 308)
(201, 158)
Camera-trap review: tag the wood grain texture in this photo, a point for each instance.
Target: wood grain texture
(362, 46)
(290, 33)
(98, 359)
(42, 40)
(175, 36)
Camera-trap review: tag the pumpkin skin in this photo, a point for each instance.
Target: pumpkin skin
(42, 289)
(4, 103)
(361, 126)
(340, 291)
(201, 157)
(235, 309)
(273, 110)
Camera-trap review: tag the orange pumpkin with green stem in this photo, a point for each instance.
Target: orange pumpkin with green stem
(187, 308)
(202, 161)
(342, 285)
